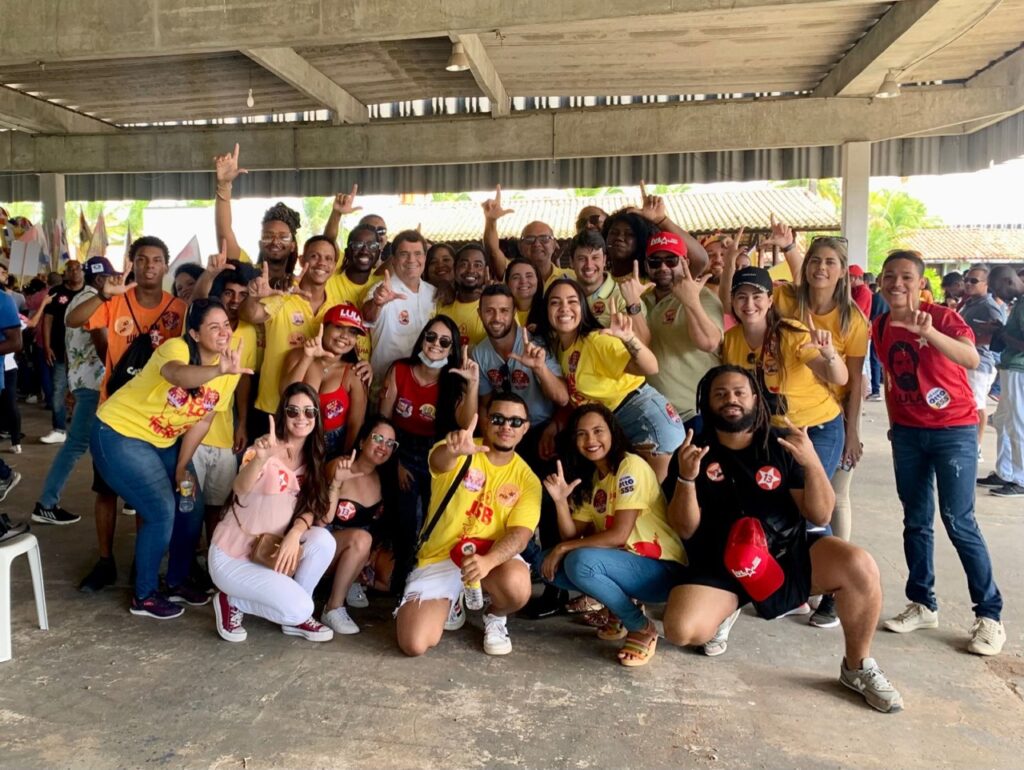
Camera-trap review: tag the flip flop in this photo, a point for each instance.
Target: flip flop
(639, 648)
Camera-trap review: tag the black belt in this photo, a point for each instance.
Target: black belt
(629, 397)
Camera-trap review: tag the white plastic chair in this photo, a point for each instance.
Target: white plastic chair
(9, 551)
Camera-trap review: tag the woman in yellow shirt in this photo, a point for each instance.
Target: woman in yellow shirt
(607, 366)
(143, 440)
(524, 281)
(617, 545)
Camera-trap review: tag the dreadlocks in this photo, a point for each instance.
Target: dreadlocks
(762, 417)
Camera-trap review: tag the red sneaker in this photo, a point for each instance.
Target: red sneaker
(311, 630)
(229, 619)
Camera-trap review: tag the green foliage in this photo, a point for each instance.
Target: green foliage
(449, 197)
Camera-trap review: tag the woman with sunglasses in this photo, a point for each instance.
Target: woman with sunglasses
(143, 440)
(617, 545)
(327, 363)
(426, 396)
(608, 366)
(278, 492)
(523, 279)
(357, 518)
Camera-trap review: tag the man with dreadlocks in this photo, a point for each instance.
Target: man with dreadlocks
(740, 501)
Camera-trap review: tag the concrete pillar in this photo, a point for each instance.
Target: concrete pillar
(856, 170)
(51, 193)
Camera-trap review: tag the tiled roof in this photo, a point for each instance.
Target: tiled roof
(697, 212)
(967, 244)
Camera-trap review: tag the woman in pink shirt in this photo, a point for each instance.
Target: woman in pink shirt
(278, 491)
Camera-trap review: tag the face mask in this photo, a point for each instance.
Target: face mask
(439, 364)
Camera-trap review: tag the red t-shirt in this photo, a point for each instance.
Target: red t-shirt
(924, 389)
(416, 404)
(862, 296)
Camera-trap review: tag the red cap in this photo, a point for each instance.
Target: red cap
(345, 314)
(748, 559)
(856, 270)
(669, 242)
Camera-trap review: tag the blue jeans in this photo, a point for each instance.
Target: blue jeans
(948, 458)
(76, 445)
(60, 390)
(828, 440)
(144, 477)
(615, 577)
(876, 371)
(648, 418)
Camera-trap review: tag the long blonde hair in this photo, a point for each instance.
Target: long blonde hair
(841, 295)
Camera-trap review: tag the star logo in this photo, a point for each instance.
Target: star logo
(922, 342)
(768, 478)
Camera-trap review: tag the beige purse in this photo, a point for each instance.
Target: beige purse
(265, 547)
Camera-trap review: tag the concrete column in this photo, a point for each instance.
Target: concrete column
(856, 170)
(51, 193)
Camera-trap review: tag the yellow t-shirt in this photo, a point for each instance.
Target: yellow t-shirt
(595, 370)
(355, 293)
(606, 300)
(490, 500)
(558, 272)
(852, 344)
(781, 271)
(291, 321)
(522, 316)
(809, 401)
(634, 488)
(466, 317)
(222, 431)
(151, 409)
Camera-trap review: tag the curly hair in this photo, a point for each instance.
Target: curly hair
(281, 212)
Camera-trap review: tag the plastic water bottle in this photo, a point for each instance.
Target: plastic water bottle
(474, 591)
(187, 501)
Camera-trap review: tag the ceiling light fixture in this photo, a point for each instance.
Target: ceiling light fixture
(890, 87)
(458, 61)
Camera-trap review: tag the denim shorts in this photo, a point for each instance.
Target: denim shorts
(649, 420)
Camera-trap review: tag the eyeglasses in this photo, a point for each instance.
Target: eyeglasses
(371, 246)
(653, 263)
(498, 419)
(381, 231)
(973, 281)
(432, 337)
(266, 239)
(309, 412)
(543, 240)
(390, 443)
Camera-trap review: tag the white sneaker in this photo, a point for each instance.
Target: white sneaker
(915, 616)
(16, 448)
(357, 597)
(801, 609)
(720, 641)
(339, 620)
(456, 615)
(32, 400)
(873, 684)
(987, 637)
(54, 437)
(496, 641)
(311, 630)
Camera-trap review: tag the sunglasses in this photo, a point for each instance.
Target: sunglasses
(309, 412)
(498, 419)
(267, 239)
(653, 263)
(828, 239)
(381, 231)
(371, 246)
(390, 443)
(973, 281)
(432, 337)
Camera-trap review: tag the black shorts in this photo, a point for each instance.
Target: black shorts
(99, 486)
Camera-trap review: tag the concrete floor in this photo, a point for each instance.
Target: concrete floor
(103, 688)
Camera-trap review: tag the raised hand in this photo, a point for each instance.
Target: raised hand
(913, 320)
(384, 294)
(313, 347)
(632, 288)
(820, 339)
(227, 166)
(460, 442)
(470, 369)
(115, 285)
(268, 446)
(731, 244)
(231, 362)
(534, 357)
(558, 488)
(259, 286)
(690, 457)
(218, 263)
(344, 203)
(652, 207)
(492, 208)
(798, 444)
(621, 326)
(685, 287)
(781, 235)
(343, 471)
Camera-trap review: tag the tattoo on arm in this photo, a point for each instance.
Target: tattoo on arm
(632, 346)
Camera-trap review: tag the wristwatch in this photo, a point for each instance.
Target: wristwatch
(634, 309)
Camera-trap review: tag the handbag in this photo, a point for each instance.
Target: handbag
(265, 547)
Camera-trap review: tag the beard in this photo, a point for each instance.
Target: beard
(740, 424)
(501, 333)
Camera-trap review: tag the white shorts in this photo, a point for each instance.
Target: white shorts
(981, 384)
(440, 580)
(216, 468)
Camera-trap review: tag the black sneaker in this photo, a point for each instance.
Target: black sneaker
(6, 485)
(825, 615)
(1008, 490)
(155, 606)
(55, 515)
(547, 605)
(186, 594)
(102, 575)
(991, 480)
(8, 529)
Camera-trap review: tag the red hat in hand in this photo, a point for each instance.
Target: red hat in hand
(748, 559)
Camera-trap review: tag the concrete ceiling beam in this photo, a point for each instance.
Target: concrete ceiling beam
(38, 116)
(486, 77)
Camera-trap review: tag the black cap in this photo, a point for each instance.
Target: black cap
(752, 276)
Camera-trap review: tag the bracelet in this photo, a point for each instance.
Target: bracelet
(659, 222)
(789, 248)
(684, 480)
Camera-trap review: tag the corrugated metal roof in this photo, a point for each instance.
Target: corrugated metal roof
(967, 244)
(697, 212)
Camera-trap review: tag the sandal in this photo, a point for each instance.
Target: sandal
(639, 647)
(597, 618)
(613, 630)
(583, 604)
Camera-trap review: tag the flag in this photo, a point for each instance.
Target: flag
(84, 236)
(98, 242)
(6, 232)
(190, 253)
(59, 242)
(37, 234)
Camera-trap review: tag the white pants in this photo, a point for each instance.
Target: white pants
(1009, 424)
(258, 590)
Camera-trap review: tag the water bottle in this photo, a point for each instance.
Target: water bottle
(474, 592)
(187, 500)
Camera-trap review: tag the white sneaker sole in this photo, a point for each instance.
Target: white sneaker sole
(43, 520)
(902, 629)
(320, 636)
(881, 706)
(498, 649)
(238, 636)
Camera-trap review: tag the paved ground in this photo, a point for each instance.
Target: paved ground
(103, 688)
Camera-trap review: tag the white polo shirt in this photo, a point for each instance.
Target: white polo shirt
(398, 324)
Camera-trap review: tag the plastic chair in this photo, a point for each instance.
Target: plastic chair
(9, 551)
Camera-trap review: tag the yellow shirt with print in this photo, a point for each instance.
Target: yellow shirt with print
(809, 401)
(222, 431)
(634, 488)
(606, 300)
(151, 409)
(291, 321)
(467, 317)
(595, 370)
(490, 500)
(854, 343)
